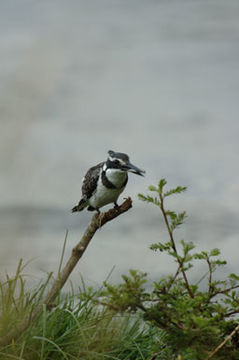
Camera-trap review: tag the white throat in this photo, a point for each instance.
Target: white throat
(116, 176)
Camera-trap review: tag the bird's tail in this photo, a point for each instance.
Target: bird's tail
(82, 204)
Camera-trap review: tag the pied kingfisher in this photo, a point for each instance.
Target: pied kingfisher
(104, 182)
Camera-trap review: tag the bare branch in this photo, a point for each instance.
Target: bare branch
(222, 343)
(97, 221)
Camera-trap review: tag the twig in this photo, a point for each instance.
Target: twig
(222, 343)
(97, 221)
(223, 291)
(174, 246)
(210, 287)
(231, 313)
(174, 278)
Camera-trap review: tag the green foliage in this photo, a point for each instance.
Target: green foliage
(172, 318)
(196, 316)
(16, 301)
(121, 298)
(76, 327)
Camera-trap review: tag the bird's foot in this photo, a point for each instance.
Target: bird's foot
(116, 207)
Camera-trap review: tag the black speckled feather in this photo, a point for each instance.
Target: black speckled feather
(89, 185)
(90, 180)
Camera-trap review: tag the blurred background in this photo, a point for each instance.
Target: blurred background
(157, 79)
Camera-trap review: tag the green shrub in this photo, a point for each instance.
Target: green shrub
(195, 317)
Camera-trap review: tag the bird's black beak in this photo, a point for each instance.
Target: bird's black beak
(134, 169)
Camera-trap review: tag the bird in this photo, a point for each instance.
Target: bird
(104, 182)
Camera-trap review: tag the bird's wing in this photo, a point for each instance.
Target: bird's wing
(90, 180)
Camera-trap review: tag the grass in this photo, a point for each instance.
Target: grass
(120, 322)
(75, 328)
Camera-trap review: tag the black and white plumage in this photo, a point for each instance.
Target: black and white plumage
(104, 182)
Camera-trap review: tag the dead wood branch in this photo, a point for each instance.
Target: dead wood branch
(223, 343)
(98, 220)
